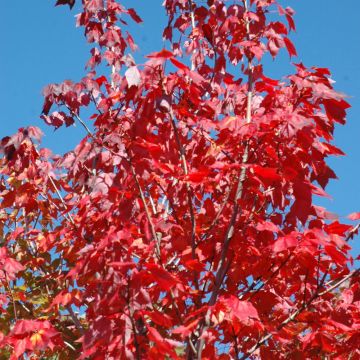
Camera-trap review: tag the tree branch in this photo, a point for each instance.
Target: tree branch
(147, 212)
(224, 263)
(188, 189)
(61, 199)
(75, 320)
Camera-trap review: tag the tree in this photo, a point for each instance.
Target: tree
(182, 225)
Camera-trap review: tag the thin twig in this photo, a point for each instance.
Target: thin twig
(352, 232)
(273, 275)
(192, 17)
(69, 345)
(131, 317)
(61, 199)
(337, 284)
(80, 121)
(172, 205)
(236, 345)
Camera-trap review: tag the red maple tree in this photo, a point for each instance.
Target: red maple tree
(182, 225)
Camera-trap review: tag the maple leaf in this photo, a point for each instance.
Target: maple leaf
(133, 76)
(286, 242)
(336, 255)
(242, 311)
(162, 277)
(197, 176)
(267, 174)
(335, 109)
(12, 267)
(33, 335)
(337, 228)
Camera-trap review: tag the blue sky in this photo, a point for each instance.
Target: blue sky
(41, 45)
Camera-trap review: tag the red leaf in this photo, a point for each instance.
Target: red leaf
(131, 42)
(244, 311)
(337, 228)
(179, 64)
(162, 344)
(195, 265)
(34, 132)
(28, 326)
(71, 3)
(163, 54)
(286, 242)
(333, 150)
(123, 266)
(197, 176)
(101, 80)
(337, 256)
(33, 335)
(12, 267)
(159, 318)
(327, 343)
(186, 330)
(64, 298)
(208, 33)
(318, 191)
(303, 198)
(134, 15)
(335, 109)
(154, 149)
(323, 214)
(354, 216)
(162, 277)
(267, 226)
(133, 76)
(266, 173)
(290, 47)
(57, 119)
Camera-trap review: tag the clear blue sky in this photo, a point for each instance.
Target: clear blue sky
(41, 45)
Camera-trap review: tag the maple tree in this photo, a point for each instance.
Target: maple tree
(182, 226)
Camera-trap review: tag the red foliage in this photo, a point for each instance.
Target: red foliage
(182, 225)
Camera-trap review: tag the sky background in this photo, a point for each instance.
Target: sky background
(41, 45)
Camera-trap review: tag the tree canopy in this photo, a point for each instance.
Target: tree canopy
(182, 225)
